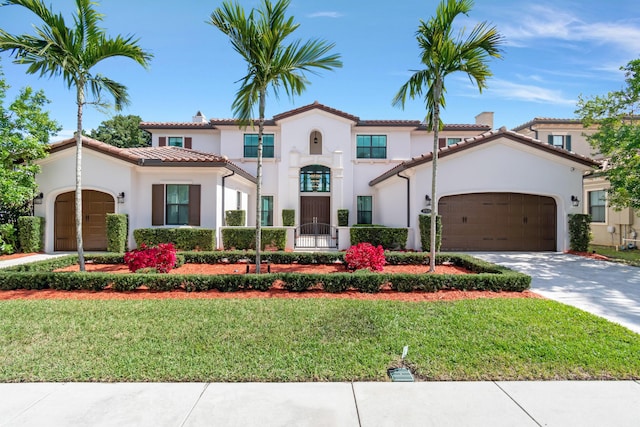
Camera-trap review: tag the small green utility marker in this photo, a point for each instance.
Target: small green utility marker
(401, 375)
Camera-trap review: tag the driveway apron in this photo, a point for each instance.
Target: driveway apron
(603, 288)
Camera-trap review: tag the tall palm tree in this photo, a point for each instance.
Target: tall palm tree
(260, 38)
(442, 54)
(72, 51)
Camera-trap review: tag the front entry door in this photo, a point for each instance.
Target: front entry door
(314, 210)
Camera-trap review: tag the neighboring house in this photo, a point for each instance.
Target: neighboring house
(609, 227)
(498, 190)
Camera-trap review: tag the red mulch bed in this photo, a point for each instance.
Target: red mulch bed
(275, 292)
(591, 255)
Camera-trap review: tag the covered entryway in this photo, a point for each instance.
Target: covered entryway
(315, 230)
(95, 206)
(498, 222)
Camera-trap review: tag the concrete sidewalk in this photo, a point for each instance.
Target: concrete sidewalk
(29, 258)
(562, 403)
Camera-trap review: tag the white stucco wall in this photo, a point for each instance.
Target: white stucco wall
(497, 166)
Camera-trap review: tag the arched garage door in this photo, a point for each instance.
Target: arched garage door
(498, 222)
(95, 206)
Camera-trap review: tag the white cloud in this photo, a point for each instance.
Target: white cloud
(530, 93)
(327, 14)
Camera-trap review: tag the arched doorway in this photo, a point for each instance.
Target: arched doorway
(315, 208)
(95, 206)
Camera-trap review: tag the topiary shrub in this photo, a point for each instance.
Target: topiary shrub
(288, 217)
(424, 222)
(117, 225)
(343, 217)
(31, 233)
(579, 232)
(235, 218)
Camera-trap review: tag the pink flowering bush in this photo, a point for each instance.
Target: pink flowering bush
(365, 256)
(161, 258)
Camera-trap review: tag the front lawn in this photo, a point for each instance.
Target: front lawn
(308, 340)
(628, 256)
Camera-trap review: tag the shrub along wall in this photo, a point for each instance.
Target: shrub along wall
(235, 218)
(184, 239)
(31, 233)
(579, 232)
(288, 217)
(490, 277)
(245, 238)
(424, 222)
(117, 227)
(387, 237)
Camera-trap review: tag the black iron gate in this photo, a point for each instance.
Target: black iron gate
(316, 235)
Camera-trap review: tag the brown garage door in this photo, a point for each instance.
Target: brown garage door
(95, 206)
(498, 222)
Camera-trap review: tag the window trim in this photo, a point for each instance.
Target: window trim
(265, 146)
(181, 138)
(371, 147)
(159, 204)
(602, 206)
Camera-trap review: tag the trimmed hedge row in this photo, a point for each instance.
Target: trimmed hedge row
(387, 237)
(245, 238)
(184, 239)
(36, 276)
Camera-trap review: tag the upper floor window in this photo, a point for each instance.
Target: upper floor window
(371, 146)
(251, 145)
(175, 141)
(560, 141)
(597, 205)
(451, 141)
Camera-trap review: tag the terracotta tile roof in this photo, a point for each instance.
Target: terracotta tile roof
(459, 126)
(547, 121)
(399, 123)
(156, 156)
(481, 139)
(176, 125)
(316, 105)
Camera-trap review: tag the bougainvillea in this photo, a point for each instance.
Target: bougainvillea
(365, 256)
(162, 258)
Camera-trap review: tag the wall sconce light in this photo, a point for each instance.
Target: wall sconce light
(315, 136)
(575, 201)
(38, 199)
(428, 199)
(120, 197)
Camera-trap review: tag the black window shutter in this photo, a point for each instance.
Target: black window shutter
(157, 204)
(567, 142)
(550, 139)
(194, 204)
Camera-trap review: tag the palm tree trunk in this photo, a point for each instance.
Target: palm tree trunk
(261, 107)
(434, 168)
(78, 198)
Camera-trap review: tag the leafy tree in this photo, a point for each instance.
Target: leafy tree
(260, 38)
(25, 130)
(122, 131)
(618, 136)
(442, 54)
(72, 51)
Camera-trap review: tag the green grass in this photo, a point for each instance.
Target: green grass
(308, 340)
(628, 256)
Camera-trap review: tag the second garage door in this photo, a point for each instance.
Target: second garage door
(498, 222)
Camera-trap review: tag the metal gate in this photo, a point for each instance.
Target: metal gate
(316, 235)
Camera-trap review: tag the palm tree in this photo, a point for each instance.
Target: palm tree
(72, 52)
(442, 54)
(260, 38)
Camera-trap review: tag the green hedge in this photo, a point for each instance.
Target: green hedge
(424, 222)
(184, 239)
(235, 218)
(579, 232)
(245, 238)
(490, 277)
(117, 227)
(343, 217)
(387, 237)
(288, 217)
(31, 233)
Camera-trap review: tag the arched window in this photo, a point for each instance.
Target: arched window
(315, 143)
(315, 179)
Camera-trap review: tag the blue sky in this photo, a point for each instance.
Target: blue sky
(554, 51)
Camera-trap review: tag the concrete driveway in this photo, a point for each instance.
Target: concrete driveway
(603, 288)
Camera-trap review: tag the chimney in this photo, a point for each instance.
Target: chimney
(199, 118)
(485, 118)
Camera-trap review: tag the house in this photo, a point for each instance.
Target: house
(498, 190)
(609, 226)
